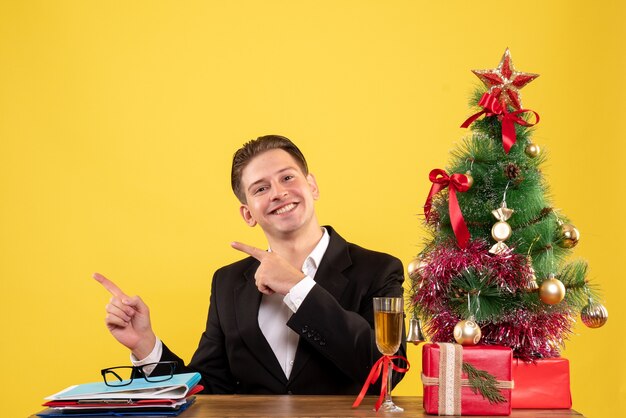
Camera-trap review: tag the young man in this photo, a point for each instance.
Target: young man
(295, 319)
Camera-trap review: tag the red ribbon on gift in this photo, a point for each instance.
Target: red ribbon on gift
(383, 365)
(493, 107)
(455, 183)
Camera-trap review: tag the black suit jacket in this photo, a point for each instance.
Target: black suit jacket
(335, 322)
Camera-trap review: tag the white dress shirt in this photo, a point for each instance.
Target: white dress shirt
(274, 312)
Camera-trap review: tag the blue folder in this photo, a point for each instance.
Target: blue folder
(175, 388)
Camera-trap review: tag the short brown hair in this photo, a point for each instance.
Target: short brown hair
(252, 148)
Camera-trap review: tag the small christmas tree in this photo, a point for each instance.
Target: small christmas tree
(495, 267)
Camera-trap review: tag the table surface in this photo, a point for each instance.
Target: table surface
(246, 406)
(210, 406)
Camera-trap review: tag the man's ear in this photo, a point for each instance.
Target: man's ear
(246, 215)
(310, 178)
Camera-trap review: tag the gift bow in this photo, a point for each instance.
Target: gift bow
(455, 183)
(492, 107)
(383, 365)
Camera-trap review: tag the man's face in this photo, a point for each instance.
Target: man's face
(279, 196)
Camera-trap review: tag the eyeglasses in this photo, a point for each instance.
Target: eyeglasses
(124, 375)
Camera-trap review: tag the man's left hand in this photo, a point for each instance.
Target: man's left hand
(275, 274)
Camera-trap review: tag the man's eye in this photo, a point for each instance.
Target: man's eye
(260, 189)
(289, 177)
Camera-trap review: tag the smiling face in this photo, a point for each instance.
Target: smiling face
(279, 196)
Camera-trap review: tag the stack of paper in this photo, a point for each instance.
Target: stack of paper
(139, 398)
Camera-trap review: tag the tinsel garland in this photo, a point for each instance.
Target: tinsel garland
(446, 261)
(535, 331)
(530, 335)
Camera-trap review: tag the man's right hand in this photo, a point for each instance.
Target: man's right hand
(128, 319)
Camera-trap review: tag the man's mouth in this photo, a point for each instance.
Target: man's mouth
(284, 209)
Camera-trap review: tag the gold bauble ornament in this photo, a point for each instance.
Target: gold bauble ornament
(568, 236)
(467, 332)
(594, 315)
(551, 291)
(470, 179)
(532, 150)
(414, 268)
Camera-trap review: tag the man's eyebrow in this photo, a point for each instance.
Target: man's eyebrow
(253, 184)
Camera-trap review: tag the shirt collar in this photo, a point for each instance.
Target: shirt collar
(315, 258)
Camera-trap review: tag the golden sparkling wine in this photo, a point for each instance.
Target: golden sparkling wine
(388, 331)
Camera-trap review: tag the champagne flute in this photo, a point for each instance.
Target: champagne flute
(388, 317)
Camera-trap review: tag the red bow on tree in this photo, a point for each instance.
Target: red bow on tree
(455, 183)
(493, 107)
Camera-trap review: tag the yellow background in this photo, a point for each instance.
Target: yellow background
(118, 121)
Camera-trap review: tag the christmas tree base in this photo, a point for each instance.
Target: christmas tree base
(543, 384)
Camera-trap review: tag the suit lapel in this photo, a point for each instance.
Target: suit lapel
(247, 300)
(329, 276)
(336, 259)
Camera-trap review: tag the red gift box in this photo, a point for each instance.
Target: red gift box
(446, 389)
(543, 384)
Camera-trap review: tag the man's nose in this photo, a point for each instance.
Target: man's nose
(279, 191)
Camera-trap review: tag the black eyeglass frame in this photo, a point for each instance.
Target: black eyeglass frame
(138, 373)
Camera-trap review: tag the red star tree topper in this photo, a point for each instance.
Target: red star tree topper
(504, 82)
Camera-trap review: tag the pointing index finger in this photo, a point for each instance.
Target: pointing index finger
(250, 250)
(109, 285)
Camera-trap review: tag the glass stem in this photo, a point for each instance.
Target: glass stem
(389, 381)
